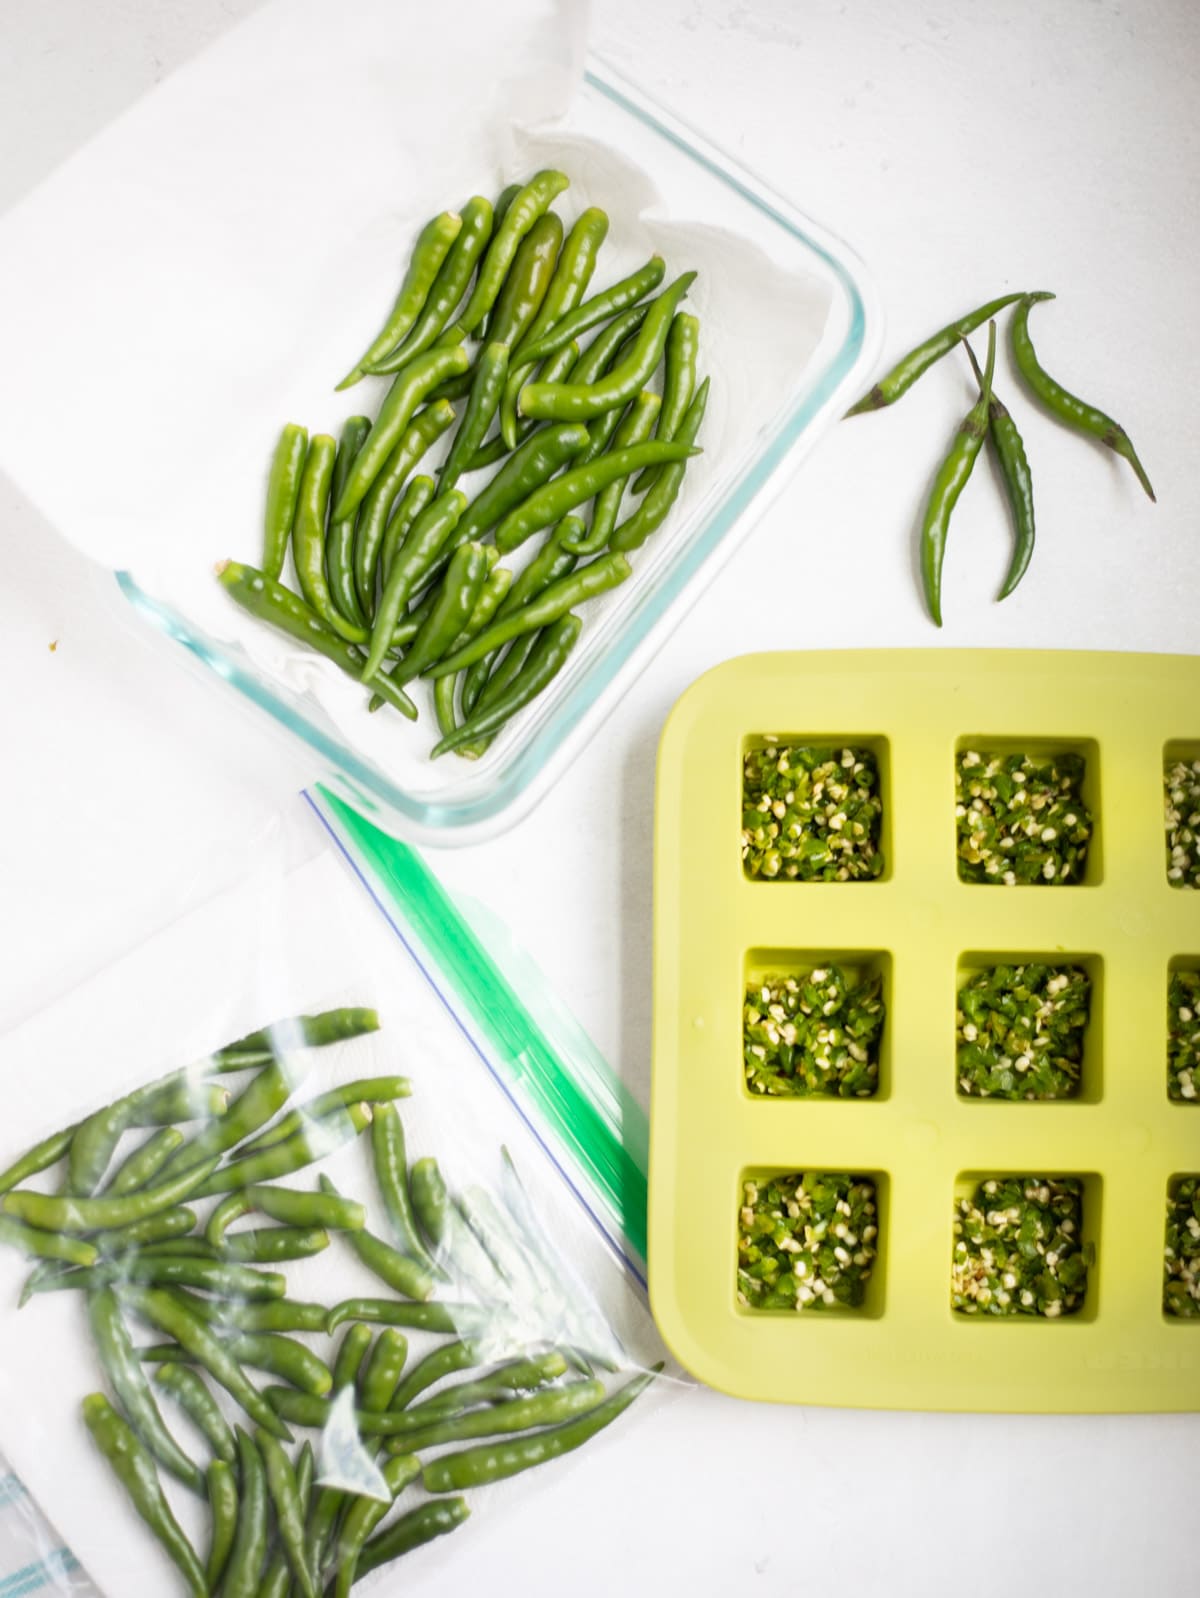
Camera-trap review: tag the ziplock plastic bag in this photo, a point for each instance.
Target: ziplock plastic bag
(502, 1313)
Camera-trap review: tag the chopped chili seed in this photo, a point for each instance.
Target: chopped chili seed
(1181, 785)
(806, 1240)
(1021, 820)
(1018, 1248)
(1181, 1253)
(1183, 1037)
(1020, 1032)
(815, 1032)
(811, 814)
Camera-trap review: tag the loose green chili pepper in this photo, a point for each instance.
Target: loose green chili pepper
(273, 1244)
(277, 1578)
(364, 1090)
(170, 1314)
(634, 428)
(193, 1397)
(601, 353)
(612, 302)
(446, 1360)
(339, 542)
(546, 660)
(951, 479)
(430, 1199)
(551, 604)
(448, 287)
(432, 1317)
(257, 1103)
(1060, 402)
(679, 386)
(57, 1212)
(512, 1415)
(476, 1467)
(282, 1356)
(522, 1375)
(410, 387)
(430, 251)
(525, 470)
(552, 501)
(419, 1526)
(426, 538)
(383, 1369)
(287, 1205)
(413, 501)
(1007, 445)
(664, 491)
(314, 1142)
(124, 1371)
(289, 1509)
(135, 1470)
(491, 370)
(308, 537)
(157, 1228)
(244, 1569)
(391, 1176)
(486, 608)
(181, 1098)
(350, 1356)
(398, 1271)
(575, 402)
(374, 539)
(362, 1518)
(39, 1158)
(163, 1270)
(302, 1031)
(223, 1516)
(461, 588)
(270, 1315)
(907, 370)
(145, 1162)
(302, 1409)
(527, 282)
(551, 370)
(283, 492)
(46, 1245)
(528, 205)
(257, 593)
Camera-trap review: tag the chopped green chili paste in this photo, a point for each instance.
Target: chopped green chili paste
(1020, 1032)
(817, 1032)
(1183, 1036)
(811, 814)
(1021, 820)
(1181, 783)
(1018, 1248)
(806, 1240)
(1181, 1255)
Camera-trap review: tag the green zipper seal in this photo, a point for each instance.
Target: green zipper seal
(590, 1114)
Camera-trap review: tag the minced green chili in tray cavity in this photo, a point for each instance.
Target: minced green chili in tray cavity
(1018, 1248)
(1020, 819)
(1181, 1255)
(806, 1240)
(1183, 1037)
(1020, 1032)
(1181, 783)
(811, 814)
(816, 1032)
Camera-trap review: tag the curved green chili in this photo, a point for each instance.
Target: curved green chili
(350, 1356)
(223, 1516)
(362, 1518)
(254, 1106)
(527, 282)
(244, 1569)
(282, 1356)
(413, 501)
(135, 1470)
(339, 541)
(266, 599)
(432, 1317)
(1008, 446)
(308, 537)
(529, 466)
(521, 1375)
(553, 500)
(267, 1315)
(371, 532)
(551, 370)
(461, 587)
(289, 1509)
(37, 1159)
(1060, 402)
(487, 606)
(383, 1369)
(193, 1397)
(363, 1090)
(448, 287)
(401, 1273)
(612, 302)
(164, 1270)
(58, 1212)
(283, 491)
(679, 386)
(951, 479)
(288, 1205)
(312, 1143)
(656, 505)
(145, 1162)
(558, 1404)
(634, 428)
(272, 1245)
(911, 366)
(491, 370)
(416, 555)
(419, 1526)
(156, 1228)
(429, 252)
(46, 1245)
(546, 660)
(527, 206)
(551, 604)
(390, 1161)
(446, 1360)
(302, 1031)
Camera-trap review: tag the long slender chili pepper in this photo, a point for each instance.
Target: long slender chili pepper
(271, 1245)
(413, 501)
(374, 541)
(430, 1199)
(269, 601)
(302, 1031)
(522, 1375)
(37, 1159)
(265, 1095)
(289, 1509)
(136, 1472)
(308, 537)
(465, 576)
(271, 1315)
(486, 608)
(363, 1090)
(212, 1276)
(552, 370)
(362, 1518)
(189, 1391)
(448, 287)
(145, 1162)
(634, 428)
(557, 1404)
(282, 1356)
(58, 1212)
(223, 1514)
(664, 491)
(431, 249)
(339, 541)
(46, 1245)
(527, 206)
(600, 308)
(951, 479)
(391, 1177)
(1006, 443)
(491, 370)
(679, 386)
(527, 283)
(918, 361)
(283, 490)
(526, 469)
(400, 1272)
(244, 1569)
(156, 1228)
(416, 555)
(553, 500)
(419, 1526)
(312, 1143)
(287, 1205)
(432, 1317)
(1062, 404)
(546, 660)
(383, 1369)
(446, 1360)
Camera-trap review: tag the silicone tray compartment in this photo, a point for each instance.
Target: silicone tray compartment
(921, 1142)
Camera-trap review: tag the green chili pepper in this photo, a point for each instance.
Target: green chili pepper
(308, 537)
(231, 1281)
(527, 206)
(443, 1361)
(374, 540)
(523, 1375)
(193, 1397)
(174, 1099)
(223, 1517)
(364, 1090)
(181, 1098)
(526, 469)
(577, 402)
(486, 607)
(171, 1315)
(511, 1415)
(611, 302)
(411, 385)
(289, 1509)
(339, 542)
(448, 287)
(314, 1142)
(430, 251)
(350, 1357)
(951, 479)
(51, 1212)
(135, 1470)
(179, 1248)
(415, 557)
(302, 1031)
(145, 1162)
(402, 1274)
(362, 1518)
(634, 428)
(1007, 445)
(257, 593)
(283, 492)
(244, 1569)
(302, 1409)
(413, 501)
(679, 386)
(272, 1315)
(288, 1205)
(491, 369)
(273, 1244)
(39, 1158)
(383, 1369)
(433, 1317)
(157, 1228)
(664, 491)
(552, 501)
(475, 1467)
(550, 606)
(282, 1356)
(527, 282)
(419, 1526)
(430, 1200)
(391, 1176)
(551, 370)
(46, 1245)
(261, 1099)
(907, 370)
(546, 660)
(463, 584)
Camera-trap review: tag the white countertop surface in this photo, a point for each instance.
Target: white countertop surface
(963, 150)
